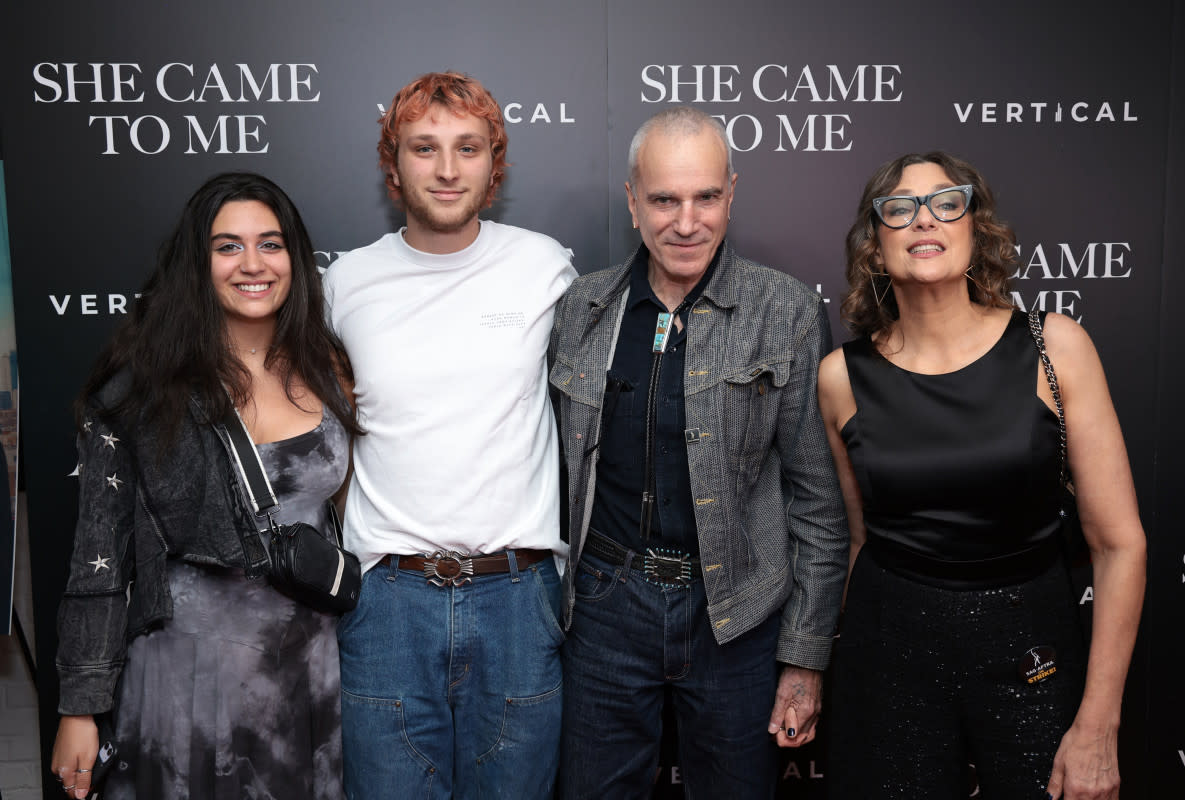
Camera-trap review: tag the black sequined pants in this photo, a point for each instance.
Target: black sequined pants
(928, 680)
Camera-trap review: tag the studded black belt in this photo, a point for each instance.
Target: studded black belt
(658, 565)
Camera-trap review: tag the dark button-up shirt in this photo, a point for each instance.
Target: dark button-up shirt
(617, 507)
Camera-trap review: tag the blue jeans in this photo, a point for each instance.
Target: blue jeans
(628, 641)
(452, 691)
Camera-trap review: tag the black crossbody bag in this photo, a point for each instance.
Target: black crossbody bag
(303, 564)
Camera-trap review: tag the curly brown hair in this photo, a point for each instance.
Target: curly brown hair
(993, 253)
(458, 93)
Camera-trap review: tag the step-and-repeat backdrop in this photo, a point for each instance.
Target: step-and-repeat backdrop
(113, 114)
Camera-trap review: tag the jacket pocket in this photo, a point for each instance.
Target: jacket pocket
(579, 385)
(752, 399)
(561, 377)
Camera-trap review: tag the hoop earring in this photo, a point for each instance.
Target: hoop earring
(887, 283)
(971, 278)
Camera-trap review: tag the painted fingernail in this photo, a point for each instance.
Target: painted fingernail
(790, 732)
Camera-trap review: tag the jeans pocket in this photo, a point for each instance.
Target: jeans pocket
(550, 593)
(593, 584)
(522, 763)
(379, 748)
(352, 619)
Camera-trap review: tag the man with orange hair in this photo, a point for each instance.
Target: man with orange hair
(450, 665)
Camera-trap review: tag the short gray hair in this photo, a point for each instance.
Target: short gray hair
(677, 120)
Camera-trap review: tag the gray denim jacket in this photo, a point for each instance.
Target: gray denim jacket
(136, 511)
(768, 509)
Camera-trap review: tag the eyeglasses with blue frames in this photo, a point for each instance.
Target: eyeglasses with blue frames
(946, 205)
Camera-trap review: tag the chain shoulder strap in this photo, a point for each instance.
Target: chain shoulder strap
(1051, 376)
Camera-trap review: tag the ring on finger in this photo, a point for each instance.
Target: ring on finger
(80, 771)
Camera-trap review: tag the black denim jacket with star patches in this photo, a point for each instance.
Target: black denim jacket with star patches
(136, 511)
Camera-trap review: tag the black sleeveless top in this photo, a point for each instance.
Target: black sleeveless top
(959, 467)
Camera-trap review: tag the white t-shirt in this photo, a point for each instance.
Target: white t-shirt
(450, 368)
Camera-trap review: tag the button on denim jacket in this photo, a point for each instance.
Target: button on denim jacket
(136, 510)
(768, 510)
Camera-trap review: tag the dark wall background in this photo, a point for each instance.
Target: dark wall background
(1096, 202)
(1158, 692)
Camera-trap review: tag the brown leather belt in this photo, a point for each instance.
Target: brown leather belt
(455, 569)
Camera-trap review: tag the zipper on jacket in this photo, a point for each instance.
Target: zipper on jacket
(152, 518)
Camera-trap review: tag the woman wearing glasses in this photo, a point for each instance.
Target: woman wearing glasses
(960, 641)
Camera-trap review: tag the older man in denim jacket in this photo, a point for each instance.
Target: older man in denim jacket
(708, 540)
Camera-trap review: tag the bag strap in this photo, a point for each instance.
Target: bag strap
(250, 467)
(1035, 328)
(259, 488)
(335, 523)
(246, 461)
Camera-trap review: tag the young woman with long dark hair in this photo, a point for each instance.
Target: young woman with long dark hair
(219, 685)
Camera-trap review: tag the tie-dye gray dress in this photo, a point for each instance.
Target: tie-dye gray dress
(238, 695)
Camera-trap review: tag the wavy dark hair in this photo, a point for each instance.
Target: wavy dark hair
(175, 342)
(993, 253)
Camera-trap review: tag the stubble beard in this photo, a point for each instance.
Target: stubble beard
(421, 207)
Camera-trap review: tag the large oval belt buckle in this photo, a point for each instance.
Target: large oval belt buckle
(448, 568)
